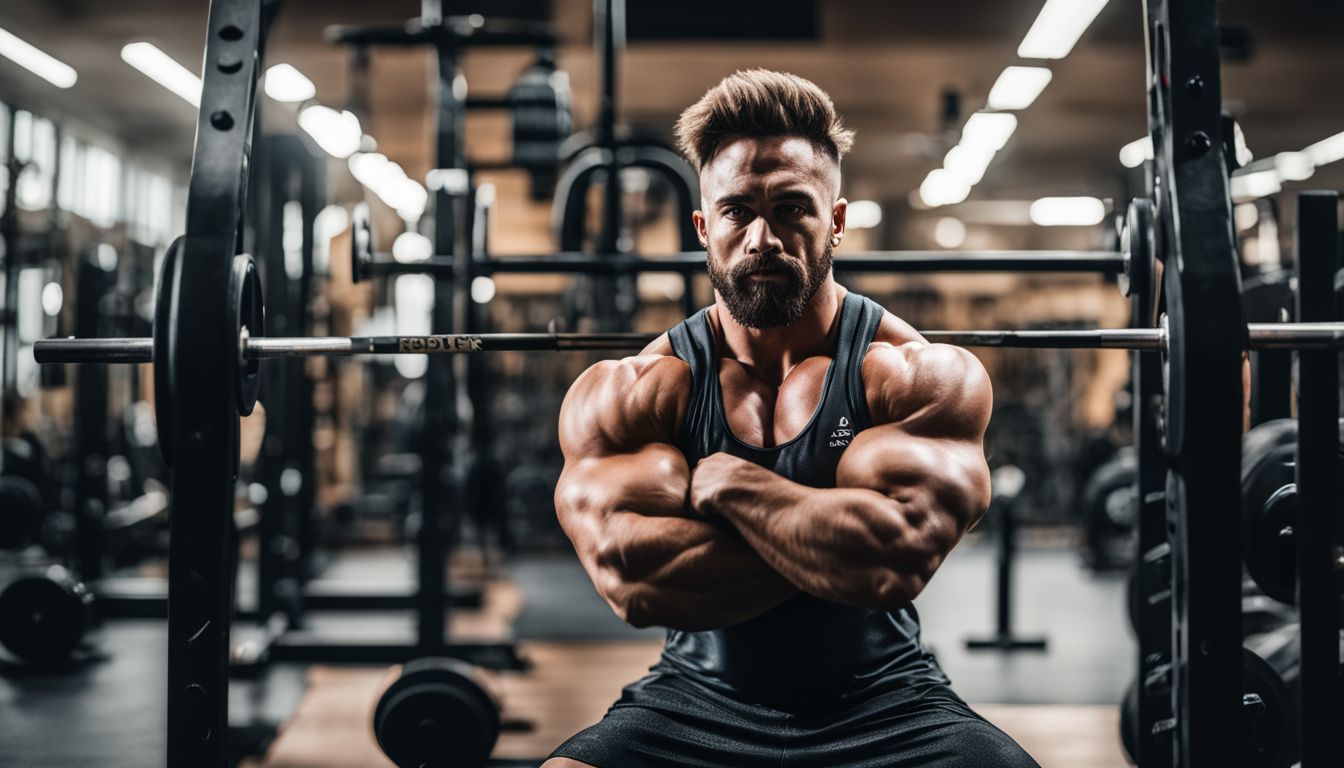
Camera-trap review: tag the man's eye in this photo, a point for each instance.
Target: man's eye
(736, 212)
(792, 209)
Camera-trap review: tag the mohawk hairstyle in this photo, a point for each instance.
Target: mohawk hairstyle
(759, 102)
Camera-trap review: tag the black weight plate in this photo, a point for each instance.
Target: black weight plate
(1268, 506)
(1129, 721)
(436, 714)
(361, 242)
(163, 322)
(1110, 507)
(1271, 731)
(1137, 246)
(245, 303)
(43, 617)
(21, 512)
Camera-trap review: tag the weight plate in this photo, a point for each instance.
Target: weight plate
(1269, 506)
(435, 713)
(163, 323)
(21, 512)
(43, 617)
(1137, 248)
(1271, 724)
(1109, 508)
(245, 302)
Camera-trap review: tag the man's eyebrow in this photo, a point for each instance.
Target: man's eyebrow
(783, 195)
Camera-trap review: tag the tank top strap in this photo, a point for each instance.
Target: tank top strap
(859, 320)
(691, 341)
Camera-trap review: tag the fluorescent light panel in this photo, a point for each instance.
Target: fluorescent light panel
(863, 214)
(164, 70)
(988, 130)
(942, 187)
(949, 232)
(389, 182)
(1327, 150)
(285, 83)
(1067, 212)
(1058, 27)
(1133, 154)
(1018, 87)
(968, 163)
(39, 62)
(337, 133)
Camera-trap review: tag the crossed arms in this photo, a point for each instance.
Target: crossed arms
(714, 545)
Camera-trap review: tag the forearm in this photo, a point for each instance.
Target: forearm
(848, 545)
(682, 573)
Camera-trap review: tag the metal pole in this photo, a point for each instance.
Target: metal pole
(1318, 487)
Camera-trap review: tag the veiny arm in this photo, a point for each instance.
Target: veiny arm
(907, 490)
(622, 501)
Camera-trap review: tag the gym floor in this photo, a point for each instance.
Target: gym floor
(1060, 704)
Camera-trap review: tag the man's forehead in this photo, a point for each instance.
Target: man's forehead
(744, 165)
(762, 154)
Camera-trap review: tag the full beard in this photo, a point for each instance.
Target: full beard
(761, 304)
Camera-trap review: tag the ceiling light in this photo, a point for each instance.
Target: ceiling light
(1067, 212)
(337, 133)
(863, 214)
(1018, 87)
(1000, 213)
(52, 299)
(285, 83)
(988, 130)
(411, 247)
(162, 69)
(942, 187)
(1058, 28)
(1244, 153)
(1133, 154)
(1255, 185)
(949, 232)
(40, 63)
(969, 163)
(1245, 216)
(1326, 150)
(1294, 166)
(483, 289)
(389, 182)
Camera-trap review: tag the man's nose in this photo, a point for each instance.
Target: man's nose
(761, 240)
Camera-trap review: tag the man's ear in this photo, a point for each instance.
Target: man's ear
(698, 219)
(838, 221)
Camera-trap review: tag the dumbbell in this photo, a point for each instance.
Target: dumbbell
(437, 712)
(44, 616)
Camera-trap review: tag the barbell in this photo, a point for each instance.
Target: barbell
(250, 349)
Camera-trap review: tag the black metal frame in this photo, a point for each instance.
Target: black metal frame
(202, 398)
(1203, 406)
(1317, 529)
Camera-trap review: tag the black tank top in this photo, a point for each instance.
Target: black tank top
(806, 649)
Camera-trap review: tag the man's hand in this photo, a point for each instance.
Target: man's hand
(713, 477)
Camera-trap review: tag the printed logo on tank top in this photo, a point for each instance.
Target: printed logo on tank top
(842, 434)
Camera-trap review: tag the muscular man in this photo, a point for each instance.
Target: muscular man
(776, 479)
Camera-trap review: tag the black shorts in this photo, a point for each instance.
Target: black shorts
(669, 719)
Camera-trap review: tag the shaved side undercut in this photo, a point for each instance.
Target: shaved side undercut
(760, 103)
